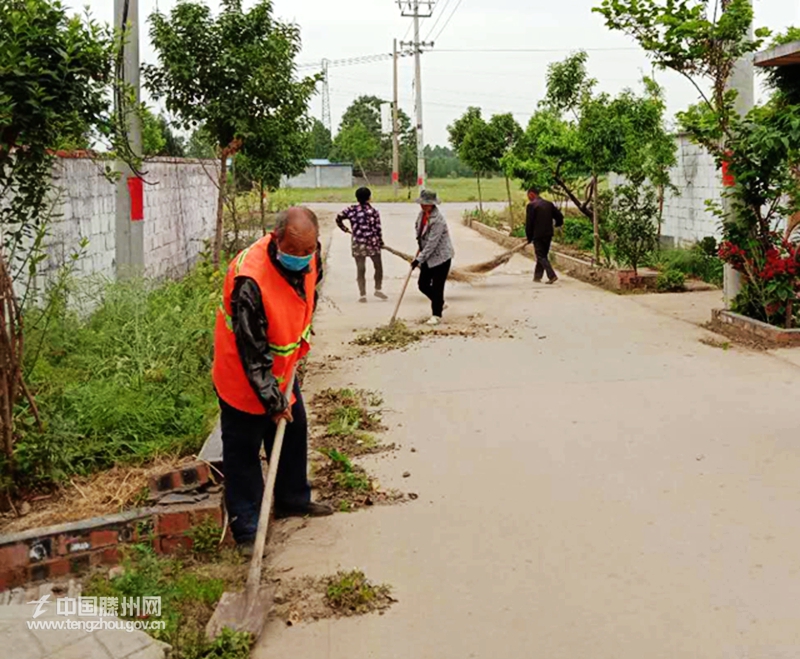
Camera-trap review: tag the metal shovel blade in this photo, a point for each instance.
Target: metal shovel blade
(237, 614)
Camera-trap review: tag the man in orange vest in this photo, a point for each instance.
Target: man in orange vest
(262, 332)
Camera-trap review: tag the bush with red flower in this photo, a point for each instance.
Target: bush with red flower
(770, 278)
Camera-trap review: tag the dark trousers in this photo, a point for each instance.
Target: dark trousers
(431, 284)
(361, 272)
(542, 248)
(242, 436)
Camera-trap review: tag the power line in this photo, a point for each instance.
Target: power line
(439, 18)
(529, 50)
(350, 61)
(453, 13)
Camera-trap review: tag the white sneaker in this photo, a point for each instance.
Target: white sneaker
(435, 320)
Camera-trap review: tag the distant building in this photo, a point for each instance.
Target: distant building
(322, 174)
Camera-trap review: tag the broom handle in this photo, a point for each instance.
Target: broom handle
(400, 299)
(254, 573)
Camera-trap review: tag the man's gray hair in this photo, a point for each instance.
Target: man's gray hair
(282, 220)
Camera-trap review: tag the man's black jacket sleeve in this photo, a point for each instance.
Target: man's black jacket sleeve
(558, 215)
(530, 222)
(250, 330)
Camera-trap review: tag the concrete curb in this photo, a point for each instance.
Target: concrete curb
(784, 338)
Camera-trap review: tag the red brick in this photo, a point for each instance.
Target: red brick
(214, 513)
(62, 544)
(59, 567)
(13, 578)
(13, 556)
(111, 555)
(174, 544)
(104, 538)
(172, 523)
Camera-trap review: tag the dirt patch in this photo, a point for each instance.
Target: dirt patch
(347, 486)
(395, 336)
(739, 338)
(715, 343)
(345, 420)
(307, 599)
(105, 493)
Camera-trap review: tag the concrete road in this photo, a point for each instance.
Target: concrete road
(602, 486)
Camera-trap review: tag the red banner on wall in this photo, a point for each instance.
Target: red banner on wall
(728, 179)
(136, 192)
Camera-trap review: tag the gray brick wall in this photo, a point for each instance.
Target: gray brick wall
(686, 218)
(180, 211)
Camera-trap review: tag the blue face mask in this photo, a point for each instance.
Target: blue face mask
(294, 263)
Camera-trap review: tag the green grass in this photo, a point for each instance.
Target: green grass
(697, 261)
(188, 595)
(449, 190)
(352, 592)
(126, 384)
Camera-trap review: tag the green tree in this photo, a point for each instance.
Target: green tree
(443, 162)
(56, 79)
(321, 141)
(578, 136)
(505, 134)
(154, 142)
(356, 144)
(232, 74)
(761, 149)
(366, 110)
(201, 144)
(631, 219)
(469, 137)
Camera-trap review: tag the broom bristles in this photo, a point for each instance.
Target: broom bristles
(470, 273)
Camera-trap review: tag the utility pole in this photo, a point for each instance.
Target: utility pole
(417, 9)
(130, 196)
(326, 96)
(743, 81)
(395, 131)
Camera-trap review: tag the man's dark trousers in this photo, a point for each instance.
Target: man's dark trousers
(242, 436)
(542, 248)
(431, 284)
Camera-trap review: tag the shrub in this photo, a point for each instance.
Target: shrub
(578, 231)
(632, 221)
(671, 280)
(699, 261)
(126, 383)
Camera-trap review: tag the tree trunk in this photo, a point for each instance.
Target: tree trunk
(363, 172)
(263, 212)
(660, 214)
(510, 206)
(480, 197)
(595, 220)
(223, 175)
(234, 216)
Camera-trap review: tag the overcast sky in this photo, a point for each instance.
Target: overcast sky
(452, 81)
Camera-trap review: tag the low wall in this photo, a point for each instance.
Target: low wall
(615, 280)
(180, 199)
(749, 327)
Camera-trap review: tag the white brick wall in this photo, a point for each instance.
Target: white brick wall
(180, 211)
(686, 218)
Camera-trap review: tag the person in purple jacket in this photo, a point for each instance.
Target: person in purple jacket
(365, 227)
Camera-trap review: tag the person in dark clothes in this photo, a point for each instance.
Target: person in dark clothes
(435, 254)
(540, 222)
(365, 226)
(262, 332)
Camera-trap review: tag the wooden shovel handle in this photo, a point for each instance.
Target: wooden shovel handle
(254, 573)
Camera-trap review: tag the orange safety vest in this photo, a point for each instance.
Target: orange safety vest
(288, 327)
